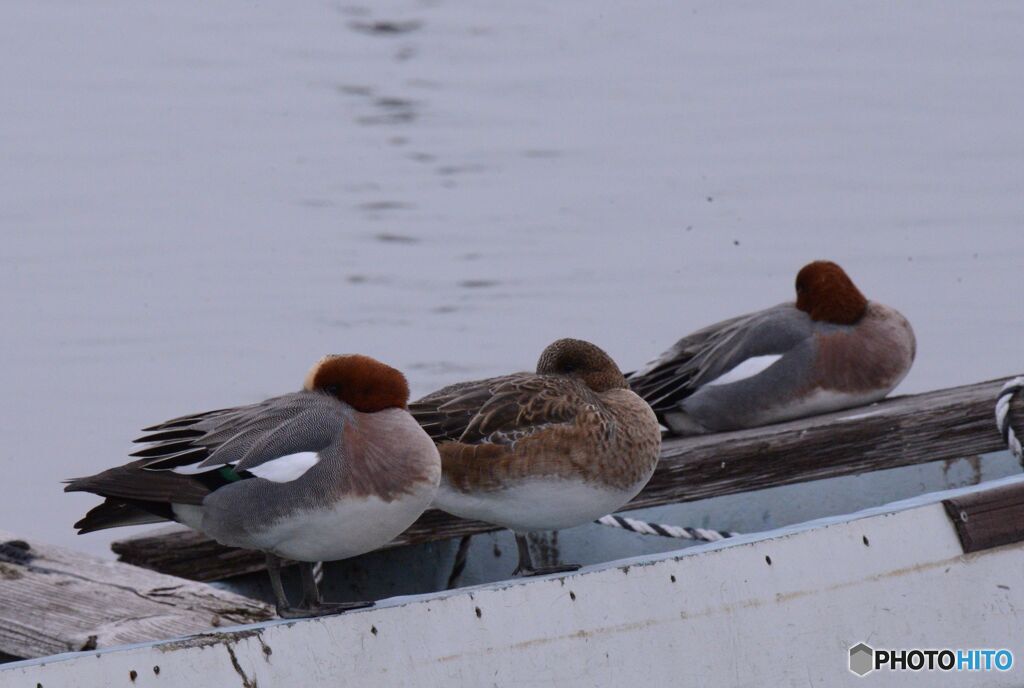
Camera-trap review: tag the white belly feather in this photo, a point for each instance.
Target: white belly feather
(538, 504)
(351, 527)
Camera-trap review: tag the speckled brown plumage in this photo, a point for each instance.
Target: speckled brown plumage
(574, 418)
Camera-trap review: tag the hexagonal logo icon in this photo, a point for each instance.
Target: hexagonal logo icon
(862, 659)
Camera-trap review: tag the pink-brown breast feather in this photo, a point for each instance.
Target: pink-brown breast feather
(875, 354)
(386, 455)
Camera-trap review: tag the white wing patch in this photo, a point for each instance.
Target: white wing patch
(280, 470)
(286, 468)
(748, 368)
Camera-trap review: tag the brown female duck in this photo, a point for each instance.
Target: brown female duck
(542, 451)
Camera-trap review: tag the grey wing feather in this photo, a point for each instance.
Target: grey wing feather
(313, 430)
(710, 352)
(248, 436)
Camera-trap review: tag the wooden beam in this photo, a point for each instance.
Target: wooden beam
(54, 600)
(902, 431)
(988, 519)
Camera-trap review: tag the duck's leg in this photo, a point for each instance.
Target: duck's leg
(526, 567)
(459, 564)
(311, 602)
(283, 607)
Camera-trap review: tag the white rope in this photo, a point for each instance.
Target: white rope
(645, 528)
(1006, 395)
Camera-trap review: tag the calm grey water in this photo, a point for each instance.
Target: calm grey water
(198, 200)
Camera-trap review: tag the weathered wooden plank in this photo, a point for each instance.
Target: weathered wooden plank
(902, 431)
(54, 600)
(988, 519)
(185, 553)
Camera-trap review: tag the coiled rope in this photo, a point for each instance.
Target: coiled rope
(1003, 401)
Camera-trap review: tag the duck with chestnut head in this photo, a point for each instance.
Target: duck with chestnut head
(546, 450)
(831, 349)
(330, 472)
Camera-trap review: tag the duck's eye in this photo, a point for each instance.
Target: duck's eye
(331, 389)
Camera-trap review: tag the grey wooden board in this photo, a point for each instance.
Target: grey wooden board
(55, 600)
(936, 426)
